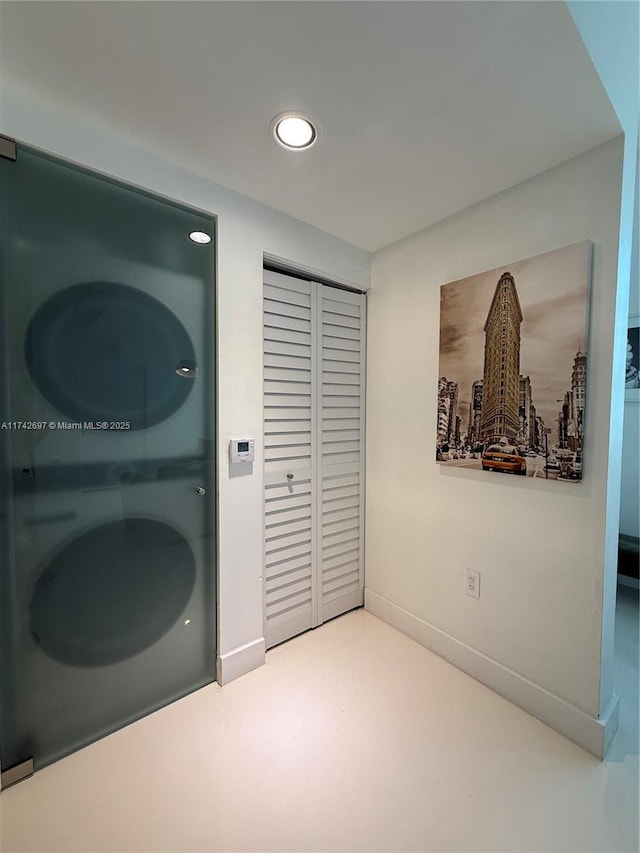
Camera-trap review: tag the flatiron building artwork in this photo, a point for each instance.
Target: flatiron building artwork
(501, 382)
(513, 364)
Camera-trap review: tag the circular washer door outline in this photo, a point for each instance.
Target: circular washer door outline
(102, 351)
(112, 592)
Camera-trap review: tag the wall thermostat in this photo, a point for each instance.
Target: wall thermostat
(242, 450)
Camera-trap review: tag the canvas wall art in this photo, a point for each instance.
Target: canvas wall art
(632, 367)
(513, 367)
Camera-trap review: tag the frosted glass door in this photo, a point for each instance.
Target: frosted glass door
(107, 592)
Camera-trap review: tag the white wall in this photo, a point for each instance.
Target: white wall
(246, 230)
(535, 633)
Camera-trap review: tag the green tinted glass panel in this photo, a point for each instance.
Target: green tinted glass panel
(107, 580)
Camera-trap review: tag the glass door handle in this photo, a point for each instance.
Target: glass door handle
(200, 490)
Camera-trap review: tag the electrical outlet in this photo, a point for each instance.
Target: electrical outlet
(472, 583)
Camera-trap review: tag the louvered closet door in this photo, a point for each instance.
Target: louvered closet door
(314, 453)
(289, 457)
(341, 486)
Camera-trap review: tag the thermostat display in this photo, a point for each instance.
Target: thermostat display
(241, 450)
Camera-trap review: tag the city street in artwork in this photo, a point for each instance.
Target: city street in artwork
(513, 366)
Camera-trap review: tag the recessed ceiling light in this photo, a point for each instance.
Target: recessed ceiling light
(294, 131)
(200, 237)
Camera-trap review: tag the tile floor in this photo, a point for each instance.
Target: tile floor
(331, 747)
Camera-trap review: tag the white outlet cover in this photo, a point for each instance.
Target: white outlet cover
(472, 583)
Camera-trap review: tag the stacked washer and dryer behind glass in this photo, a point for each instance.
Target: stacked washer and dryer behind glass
(107, 582)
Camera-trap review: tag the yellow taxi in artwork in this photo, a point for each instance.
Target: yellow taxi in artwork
(504, 457)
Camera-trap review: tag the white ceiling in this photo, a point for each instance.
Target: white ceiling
(425, 107)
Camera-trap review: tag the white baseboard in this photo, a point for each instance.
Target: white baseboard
(591, 733)
(240, 660)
